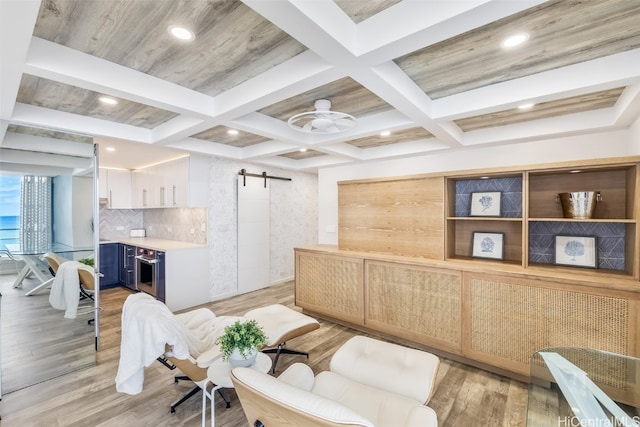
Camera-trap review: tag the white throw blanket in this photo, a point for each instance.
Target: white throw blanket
(65, 290)
(148, 324)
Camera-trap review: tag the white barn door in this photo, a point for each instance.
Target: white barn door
(253, 234)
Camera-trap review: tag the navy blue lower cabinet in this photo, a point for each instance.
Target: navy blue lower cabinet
(109, 265)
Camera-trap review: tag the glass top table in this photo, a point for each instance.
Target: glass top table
(560, 394)
(34, 264)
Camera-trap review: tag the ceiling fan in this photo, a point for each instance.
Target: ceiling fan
(322, 120)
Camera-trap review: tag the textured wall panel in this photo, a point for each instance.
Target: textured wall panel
(330, 285)
(513, 321)
(416, 300)
(503, 319)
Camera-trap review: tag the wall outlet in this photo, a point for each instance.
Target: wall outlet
(119, 227)
(203, 227)
(331, 228)
(169, 229)
(192, 230)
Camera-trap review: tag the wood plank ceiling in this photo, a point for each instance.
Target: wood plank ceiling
(433, 74)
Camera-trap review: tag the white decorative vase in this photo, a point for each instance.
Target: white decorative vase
(236, 359)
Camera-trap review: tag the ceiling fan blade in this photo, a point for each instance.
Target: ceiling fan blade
(308, 126)
(331, 129)
(344, 123)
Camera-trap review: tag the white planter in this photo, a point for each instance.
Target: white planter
(236, 359)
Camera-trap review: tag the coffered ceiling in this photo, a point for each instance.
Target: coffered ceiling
(431, 73)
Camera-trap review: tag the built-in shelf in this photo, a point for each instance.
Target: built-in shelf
(611, 220)
(480, 218)
(531, 216)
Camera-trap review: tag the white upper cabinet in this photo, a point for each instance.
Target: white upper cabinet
(178, 183)
(146, 188)
(115, 186)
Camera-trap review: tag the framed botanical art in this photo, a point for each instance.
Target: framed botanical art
(485, 203)
(577, 251)
(488, 245)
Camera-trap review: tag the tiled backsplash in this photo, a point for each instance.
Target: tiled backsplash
(183, 224)
(116, 223)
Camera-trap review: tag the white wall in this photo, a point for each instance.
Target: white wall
(294, 222)
(73, 210)
(82, 204)
(62, 210)
(620, 143)
(635, 136)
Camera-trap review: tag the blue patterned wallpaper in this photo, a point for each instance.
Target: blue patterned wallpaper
(511, 199)
(610, 240)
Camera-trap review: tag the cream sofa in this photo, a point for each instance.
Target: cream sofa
(370, 383)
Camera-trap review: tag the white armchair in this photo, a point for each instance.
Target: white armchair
(370, 383)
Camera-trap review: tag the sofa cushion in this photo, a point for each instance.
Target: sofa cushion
(387, 366)
(383, 408)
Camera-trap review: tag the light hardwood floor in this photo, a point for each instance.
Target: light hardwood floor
(31, 331)
(464, 396)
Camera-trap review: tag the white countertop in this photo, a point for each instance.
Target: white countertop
(155, 244)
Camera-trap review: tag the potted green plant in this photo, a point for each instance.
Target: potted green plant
(241, 341)
(86, 261)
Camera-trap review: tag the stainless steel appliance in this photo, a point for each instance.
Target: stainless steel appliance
(150, 272)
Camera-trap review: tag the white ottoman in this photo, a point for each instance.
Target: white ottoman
(281, 324)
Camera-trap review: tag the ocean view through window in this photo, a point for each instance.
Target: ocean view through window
(9, 209)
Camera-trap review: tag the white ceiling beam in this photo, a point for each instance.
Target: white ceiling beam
(28, 169)
(365, 126)
(627, 109)
(206, 147)
(404, 149)
(59, 63)
(577, 79)
(47, 118)
(44, 159)
(303, 72)
(322, 161)
(17, 21)
(552, 127)
(21, 141)
(321, 26)
(342, 149)
(178, 128)
(427, 22)
(278, 162)
(270, 148)
(390, 83)
(299, 74)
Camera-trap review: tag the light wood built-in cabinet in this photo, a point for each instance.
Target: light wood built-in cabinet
(403, 266)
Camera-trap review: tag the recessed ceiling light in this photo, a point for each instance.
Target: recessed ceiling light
(232, 132)
(385, 133)
(108, 100)
(484, 177)
(181, 33)
(576, 171)
(110, 149)
(302, 150)
(527, 106)
(514, 40)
